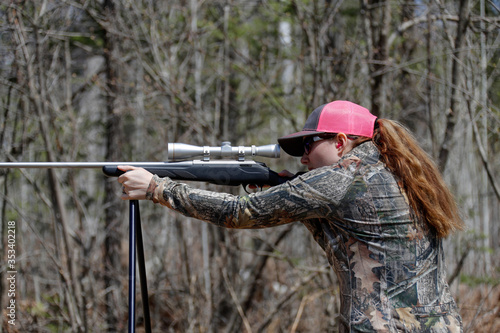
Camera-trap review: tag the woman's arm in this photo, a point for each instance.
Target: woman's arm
(308, 196)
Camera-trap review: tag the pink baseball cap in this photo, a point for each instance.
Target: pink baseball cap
(334, 117)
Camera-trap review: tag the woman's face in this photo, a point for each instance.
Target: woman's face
(326, 151)
(322, 153)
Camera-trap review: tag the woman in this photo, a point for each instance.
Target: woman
(373, 200)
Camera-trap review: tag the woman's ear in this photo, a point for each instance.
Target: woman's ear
(341, 141)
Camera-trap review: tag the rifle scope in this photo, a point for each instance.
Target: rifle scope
(182, 151)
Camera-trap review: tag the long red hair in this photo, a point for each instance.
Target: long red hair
(418, 175)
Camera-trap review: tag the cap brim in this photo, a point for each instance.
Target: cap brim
(293, 145)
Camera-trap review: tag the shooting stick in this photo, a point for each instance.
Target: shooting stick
(135, 237)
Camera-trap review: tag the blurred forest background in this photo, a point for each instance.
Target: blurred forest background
(108, 80)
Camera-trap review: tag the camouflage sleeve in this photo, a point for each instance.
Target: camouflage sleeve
(306, 197)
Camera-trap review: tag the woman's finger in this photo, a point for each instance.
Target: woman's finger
(126, 167)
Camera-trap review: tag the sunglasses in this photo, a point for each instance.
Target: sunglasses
(310, 140)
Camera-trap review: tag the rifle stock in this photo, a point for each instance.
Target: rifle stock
(230, 173)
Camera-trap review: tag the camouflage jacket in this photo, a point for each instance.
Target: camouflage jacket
(389, 264)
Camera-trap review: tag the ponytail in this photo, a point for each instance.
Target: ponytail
(419, 177)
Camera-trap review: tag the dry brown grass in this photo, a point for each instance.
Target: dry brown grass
(480, 308)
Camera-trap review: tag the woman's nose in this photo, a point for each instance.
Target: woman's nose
(304, 159)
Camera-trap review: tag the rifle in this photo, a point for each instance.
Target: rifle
(231, 169)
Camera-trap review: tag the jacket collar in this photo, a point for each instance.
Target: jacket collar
(367, 152)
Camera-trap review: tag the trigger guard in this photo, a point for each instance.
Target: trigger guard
(250, 191)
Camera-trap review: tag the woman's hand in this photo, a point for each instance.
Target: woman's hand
(135, 182)
(286, 174)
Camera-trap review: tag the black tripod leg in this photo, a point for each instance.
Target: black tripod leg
(131, 266)
(142, 271)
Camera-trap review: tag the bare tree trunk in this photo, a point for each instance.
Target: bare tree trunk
(226, 74)
(452, 114)
(485, 206)
(377, 14)
(428, 85)
(205, 116)
(113, 203)
(3, 214)
(184, 259)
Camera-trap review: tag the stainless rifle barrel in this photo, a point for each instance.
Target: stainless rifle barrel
(70, 165)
